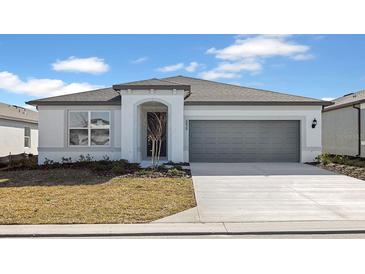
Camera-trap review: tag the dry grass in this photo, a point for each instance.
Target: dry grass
(66, 196)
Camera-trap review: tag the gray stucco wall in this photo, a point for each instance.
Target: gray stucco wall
(340, 131)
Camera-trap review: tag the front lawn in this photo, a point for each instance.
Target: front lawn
(65, 196)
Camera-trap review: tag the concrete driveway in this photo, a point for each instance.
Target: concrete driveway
(255, 192)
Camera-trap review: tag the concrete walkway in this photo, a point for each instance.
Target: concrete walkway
(166, 229)
(275, 192)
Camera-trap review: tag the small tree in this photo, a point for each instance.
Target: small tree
(156, 128)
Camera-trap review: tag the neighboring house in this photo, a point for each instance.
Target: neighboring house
(207, 122)
(18, 130)
(344, 125)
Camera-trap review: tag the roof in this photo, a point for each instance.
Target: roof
(105, 96)
(152, 84)
(199, 92)
(350, 99)
(211, 92)
(16, 113)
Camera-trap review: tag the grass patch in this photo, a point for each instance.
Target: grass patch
(70, 196)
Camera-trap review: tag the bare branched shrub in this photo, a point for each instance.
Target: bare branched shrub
(156, 128)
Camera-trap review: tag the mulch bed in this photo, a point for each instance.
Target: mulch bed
(352, 171)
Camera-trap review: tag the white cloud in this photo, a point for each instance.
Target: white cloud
(259, 46)
(40, 87)
(213, 74)
(193, 66)
(328, 98)
(247, 54)
(230, 70)
(171, 68)
(93, 65)
(303, 57)
(139, 60)
(250, 65)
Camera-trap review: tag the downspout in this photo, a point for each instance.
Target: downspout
(359, 128)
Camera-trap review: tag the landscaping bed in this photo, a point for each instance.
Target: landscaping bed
(79, 196)
(350, 166)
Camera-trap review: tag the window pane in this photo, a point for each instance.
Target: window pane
(100, 137)
(99, 120)
(26, 141)
(79, 137)
(78, 119)
(27, 131)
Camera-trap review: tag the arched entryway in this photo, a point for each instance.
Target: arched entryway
(147, 111)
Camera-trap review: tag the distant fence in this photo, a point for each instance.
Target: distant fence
(14, 158)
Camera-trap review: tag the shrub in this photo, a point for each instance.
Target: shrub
(178, 167)
(86, 158)
(175, 172)
(29, 163)
(324, 159)
(141, 172)
(48, 162)
(118, 168)
(65, 160)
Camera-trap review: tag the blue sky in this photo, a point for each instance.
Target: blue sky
(319, 66)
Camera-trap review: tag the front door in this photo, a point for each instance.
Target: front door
(163, 144)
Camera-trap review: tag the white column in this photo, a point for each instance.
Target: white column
(127, 129)
(177, 129)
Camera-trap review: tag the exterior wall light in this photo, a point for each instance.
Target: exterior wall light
(314, 123)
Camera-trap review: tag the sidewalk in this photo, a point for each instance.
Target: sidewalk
(161, 229)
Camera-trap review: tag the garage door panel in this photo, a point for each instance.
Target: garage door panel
(244, 141)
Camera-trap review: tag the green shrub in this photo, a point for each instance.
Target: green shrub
(175, 172)
(118, 168)
(141, 172)
(324, 159)
(178, 167)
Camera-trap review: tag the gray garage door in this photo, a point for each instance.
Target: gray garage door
(244, 141)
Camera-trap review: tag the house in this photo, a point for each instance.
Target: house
(18, 130)
(206, 122)
(344, 125)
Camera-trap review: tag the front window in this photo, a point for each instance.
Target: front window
(89, 128)
(27, 137)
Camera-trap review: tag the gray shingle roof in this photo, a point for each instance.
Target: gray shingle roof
(198, 91)
(348, 100)
(16, 113)
(152, 83)
(105, 96)
(210, 91)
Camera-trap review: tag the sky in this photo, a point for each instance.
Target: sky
(317, 66)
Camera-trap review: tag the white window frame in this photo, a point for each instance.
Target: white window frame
(88, 128)
(28, 137)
